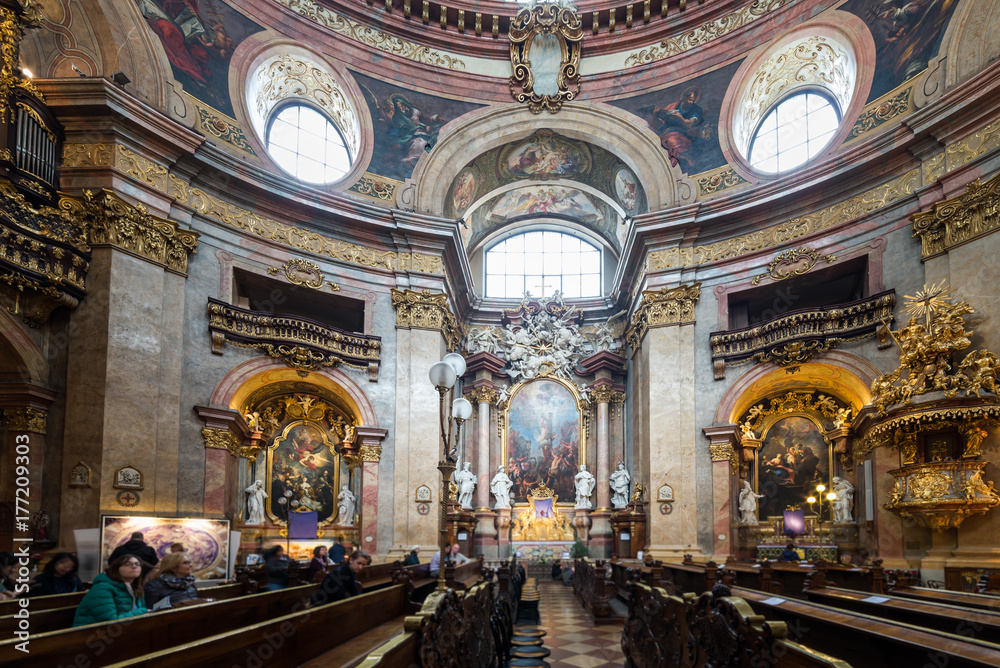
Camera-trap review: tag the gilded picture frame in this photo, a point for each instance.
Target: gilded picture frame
(303, 460)
(796, 438)
(549, 448)
(532, 22)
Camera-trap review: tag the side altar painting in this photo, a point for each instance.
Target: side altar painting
(543, 444)
(794, 458)
(302, 460)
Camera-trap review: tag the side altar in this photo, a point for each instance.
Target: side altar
(541, 531)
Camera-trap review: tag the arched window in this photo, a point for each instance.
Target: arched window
(796, 130)
(307, 145)
(542, 262)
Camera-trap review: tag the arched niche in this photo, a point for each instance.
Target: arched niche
(19, 354)
(837, 373)
(612, 129)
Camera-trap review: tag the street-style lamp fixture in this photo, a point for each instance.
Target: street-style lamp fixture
(443, 376)
(819, 496)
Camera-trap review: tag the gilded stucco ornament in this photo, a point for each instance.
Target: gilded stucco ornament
(545, 41)
(940, 495)
(795, 262)
(926, 350)
(223, 439)
(954, 221)
(424, 310)
(303, 272)
(25, 419)
(666, 306)
(12, 26)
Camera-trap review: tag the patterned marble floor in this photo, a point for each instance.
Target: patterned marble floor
(573, 638)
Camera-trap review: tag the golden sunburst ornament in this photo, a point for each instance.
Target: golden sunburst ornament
(926, 301)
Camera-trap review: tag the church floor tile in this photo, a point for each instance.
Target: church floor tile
(573, 638)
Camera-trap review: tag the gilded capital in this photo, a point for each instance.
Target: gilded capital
(602, 394)
(223, 439)
(666, 306)
(423, 310)
(25, 419)
(958, 219)
(371, 453)
(114, 222)
(483, 394)
(722, 452)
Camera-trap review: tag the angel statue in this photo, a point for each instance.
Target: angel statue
(255, 502)
(748, 504)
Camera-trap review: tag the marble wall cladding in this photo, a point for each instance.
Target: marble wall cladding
(53, 482)
(369, 507)
(722, 511)
(418, 444)
(890, 530)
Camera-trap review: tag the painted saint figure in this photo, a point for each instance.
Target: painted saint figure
(678, 125)
(345, 506)
(466, 481)
(585, 483)
(501, 486)
(255, 502)
(620, 480)
(748, 504)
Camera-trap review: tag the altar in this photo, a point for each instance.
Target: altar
(541, 521)
(543, 552)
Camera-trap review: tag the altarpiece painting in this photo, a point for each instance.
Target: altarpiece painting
(304, 469)
(794, 457)
(543, 441)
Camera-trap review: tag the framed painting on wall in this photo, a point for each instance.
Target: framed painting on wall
(793, 459)
(205, 540)
(303, 469)
(543, 437)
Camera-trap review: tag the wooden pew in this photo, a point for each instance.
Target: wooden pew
(54, 619)
(937, 616)
(977, 601)
(11, 605)
(865, 640)
(464, 577)
(694, 631)
(338, 634)
(106, 642)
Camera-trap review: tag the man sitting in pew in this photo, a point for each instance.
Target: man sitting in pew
(453, 557)
(340, 583)
(789, 554)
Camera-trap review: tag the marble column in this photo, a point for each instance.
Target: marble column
(603, 465)
(723, 439)
(483, 397)
(369, 507)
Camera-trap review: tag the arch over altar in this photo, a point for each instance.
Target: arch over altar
(543, 429)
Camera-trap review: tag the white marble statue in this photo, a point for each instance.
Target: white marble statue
(501, 486)
(539, 340)
(585, 483)
(843, 505)
(345, 506)
(748, 504)
(620, 480)
(255, 502)
(466, 481)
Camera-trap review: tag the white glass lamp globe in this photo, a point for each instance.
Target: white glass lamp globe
(457, 362)
(443, 375)
(461, 409)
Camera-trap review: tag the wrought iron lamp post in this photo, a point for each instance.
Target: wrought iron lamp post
(443, 376)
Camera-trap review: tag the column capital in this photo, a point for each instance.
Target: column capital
(666, 306)
(483, 394)
(25, 419)
(424, 310)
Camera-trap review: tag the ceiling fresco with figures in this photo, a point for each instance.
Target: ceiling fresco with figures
(544, 169)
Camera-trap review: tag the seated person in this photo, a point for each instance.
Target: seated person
(557, 570)
(115, 594)
(453, 557)
(412, 559)
(58, 576)
(174, 586)
(340, 583)
(789, 554)
(317, 566)
(8, 567)
(276, 564)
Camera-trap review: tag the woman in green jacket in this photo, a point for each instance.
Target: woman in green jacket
(115, 594)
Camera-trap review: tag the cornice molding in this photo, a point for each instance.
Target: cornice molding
(953, 221)
(423, 310)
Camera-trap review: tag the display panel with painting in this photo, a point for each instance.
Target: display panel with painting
(793, 459)
(206, 541)
(543, 441)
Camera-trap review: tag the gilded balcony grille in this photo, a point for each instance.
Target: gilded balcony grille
(300, 342)
(795, 337)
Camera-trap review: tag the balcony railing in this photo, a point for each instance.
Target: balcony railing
(794, 338)
(299, 342)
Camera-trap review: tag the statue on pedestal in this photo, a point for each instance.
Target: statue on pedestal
(466, 481)
(345, 506)
(748, 504)
(620, 480)
(585, 483)
(501, 486)
(843, 505)
(255, 502)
